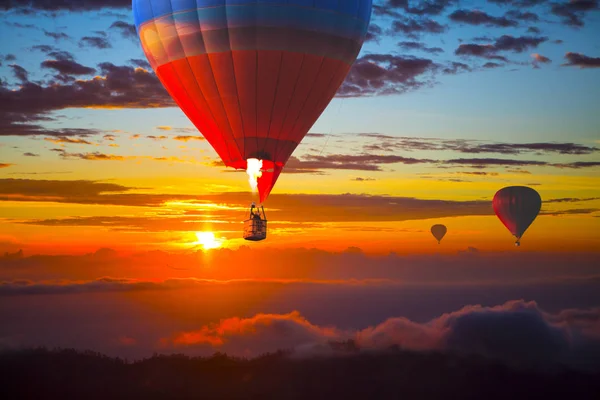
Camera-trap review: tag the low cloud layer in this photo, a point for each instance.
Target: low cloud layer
(539, 338)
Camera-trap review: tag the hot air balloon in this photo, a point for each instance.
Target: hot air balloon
(517, 207)
(252, 75)
(439, 231)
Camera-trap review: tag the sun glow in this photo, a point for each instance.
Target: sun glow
(208, 240)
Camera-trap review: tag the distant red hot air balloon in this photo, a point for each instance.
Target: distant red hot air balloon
(517, 207)
(439, 231)
(252, 75)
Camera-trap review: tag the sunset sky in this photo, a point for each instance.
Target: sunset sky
(448, 102)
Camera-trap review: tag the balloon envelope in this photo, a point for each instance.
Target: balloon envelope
(517, 207)
(252, 75)
(439, 231)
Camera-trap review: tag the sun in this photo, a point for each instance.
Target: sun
(208, 240)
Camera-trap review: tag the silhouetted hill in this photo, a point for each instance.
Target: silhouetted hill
(70, 374)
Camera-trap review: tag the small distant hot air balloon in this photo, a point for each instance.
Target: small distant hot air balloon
(517, 207)
(439, 231)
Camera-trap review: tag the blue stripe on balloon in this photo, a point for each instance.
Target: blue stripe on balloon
(267, 16)
(146, 10)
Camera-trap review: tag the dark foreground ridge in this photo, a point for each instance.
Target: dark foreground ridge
(71, 374)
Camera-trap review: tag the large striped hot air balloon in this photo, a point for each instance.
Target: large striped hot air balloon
(252, 75)
(517, 207)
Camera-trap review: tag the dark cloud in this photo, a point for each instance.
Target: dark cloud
(44, 48)
(384, 74)
(28, 154)
(520, 3)
(573, 12)
(571, 200)
(581, 60)
(523, 15)
(503, 43)
(68, 67)
(8, 57)
(20, 73)
(456, 67)
(419, 46)
(396, 8)
(98, 42)
(57, 35)
(126, 30)
(121, 87)
(476, 17)
(489, 162)
(65, 5)
(138, 62)
(374, 33)
(491, 65)
(533, 29)
(394, 143)
(517, 44)
(575, 211)
(361, 162)
(413, 27)
(579, 164)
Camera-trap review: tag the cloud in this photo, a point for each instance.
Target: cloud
(361, 162)
(66, 139)
(503, 43)
(279, 331)
(523, 16)
(67, 67)
(572, 12)
(571, 200)
(29, 154)
(66, 5)
(384, 74)
(57, 35)
(396, 8)
(8, 57)
(395, 143)
(477, 17)
(414, 27)
(419, 46)
(288, 207)
(581, 60)
(118, 87)
(374, 33)
(538, 58)
(126, 30)
(186, 138)
(20, 73)
(98, 42)
(544, 338)
(138, 62)
(579, 164)
(5, 165)
(488, 162)
(360, 179)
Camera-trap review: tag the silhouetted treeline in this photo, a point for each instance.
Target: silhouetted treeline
(71, 374)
